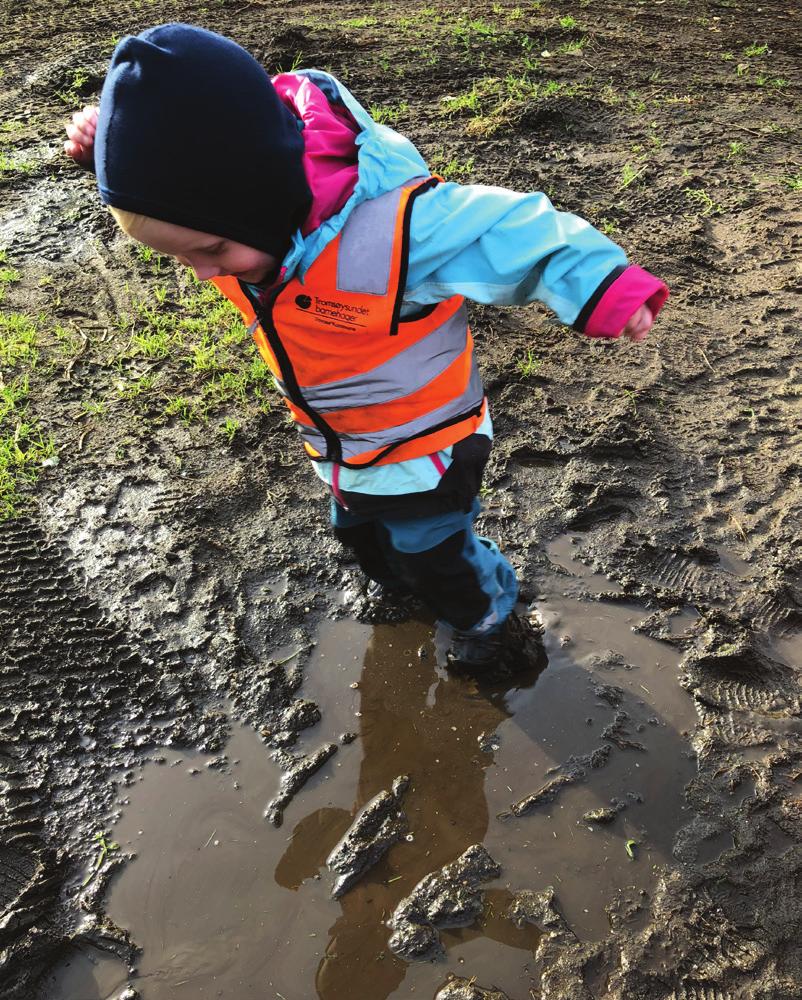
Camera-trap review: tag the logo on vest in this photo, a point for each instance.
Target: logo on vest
(333, 312)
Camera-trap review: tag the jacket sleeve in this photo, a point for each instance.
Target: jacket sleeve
(500, 247)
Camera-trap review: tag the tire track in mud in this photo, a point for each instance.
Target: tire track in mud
(71, 679)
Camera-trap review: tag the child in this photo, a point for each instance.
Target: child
(350, 262)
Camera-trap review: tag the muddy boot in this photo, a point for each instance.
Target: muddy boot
(380, 604)
(514, 650)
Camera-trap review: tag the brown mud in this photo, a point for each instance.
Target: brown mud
(177, 637)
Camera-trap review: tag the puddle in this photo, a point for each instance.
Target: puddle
(87, 974)
(562, 552)
(37, 223)
(224, 904)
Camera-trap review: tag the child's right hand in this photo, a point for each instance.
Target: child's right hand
(81, 131)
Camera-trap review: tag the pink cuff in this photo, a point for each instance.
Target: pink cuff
(630, 290)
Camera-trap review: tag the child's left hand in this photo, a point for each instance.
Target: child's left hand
(639, 324)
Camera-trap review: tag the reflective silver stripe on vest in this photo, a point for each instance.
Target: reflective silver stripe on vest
(356, 444)
(366, 245)
(402, 375)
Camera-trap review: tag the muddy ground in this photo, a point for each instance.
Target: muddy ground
(179, 653)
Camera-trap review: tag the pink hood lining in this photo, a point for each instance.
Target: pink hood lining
(330, 151)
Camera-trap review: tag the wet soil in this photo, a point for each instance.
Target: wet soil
(181, 669)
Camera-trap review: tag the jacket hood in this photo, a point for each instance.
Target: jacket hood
(386, 159)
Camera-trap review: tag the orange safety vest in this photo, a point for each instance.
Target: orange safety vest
(365, 386)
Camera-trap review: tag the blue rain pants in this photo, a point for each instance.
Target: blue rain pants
(463, 578)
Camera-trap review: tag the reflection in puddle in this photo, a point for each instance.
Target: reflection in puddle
(226, 905)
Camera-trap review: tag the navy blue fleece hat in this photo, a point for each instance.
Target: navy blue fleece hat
(191, 131)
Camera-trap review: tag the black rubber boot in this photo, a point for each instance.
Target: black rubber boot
(513, 650)
(380, 604)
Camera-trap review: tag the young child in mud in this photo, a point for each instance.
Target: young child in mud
(349, 263)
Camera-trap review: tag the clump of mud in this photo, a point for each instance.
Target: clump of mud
(379, 824)
(450, 897)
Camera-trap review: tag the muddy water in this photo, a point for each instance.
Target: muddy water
(225, 905)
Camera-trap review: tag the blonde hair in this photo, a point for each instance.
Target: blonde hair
(131, 223)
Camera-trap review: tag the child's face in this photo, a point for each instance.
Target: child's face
(208, 256)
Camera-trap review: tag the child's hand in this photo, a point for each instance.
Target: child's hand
(81, 131)
(639, 324)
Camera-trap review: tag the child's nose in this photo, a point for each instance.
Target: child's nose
(204, 271)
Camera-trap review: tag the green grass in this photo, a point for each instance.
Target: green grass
(9, 275)
(229, 428)
(70, 94)
(573, 46)
(492, 102)
(93, 408)
(181, 354)
(471, 34)
(530, 365)
(218, 368)
(24, 445)
(17, 340)
(451, 168)
(388, 114)
(358, 22)
(754, 50)
(701, 198)
(11, 166)
(629, 174)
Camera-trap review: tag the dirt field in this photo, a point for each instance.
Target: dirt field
(179, 653)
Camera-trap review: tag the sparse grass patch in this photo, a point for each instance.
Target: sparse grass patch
(9, 275)
(68, 339)
(229, 428)
(17, 340)
(629, 174)
(219, 366)
(388, 114)
(793, 181)
(24, 445)
(530, 365)
(70, 94)
(468, 33)
(92, 408)
(451, 168)
(181, 407)
(134, 387)
(9, 129)
(573, 46)
(495, 101)
(8, 165)
(701, 198)
(358, 22)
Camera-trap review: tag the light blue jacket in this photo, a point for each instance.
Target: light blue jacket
(486, 243)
